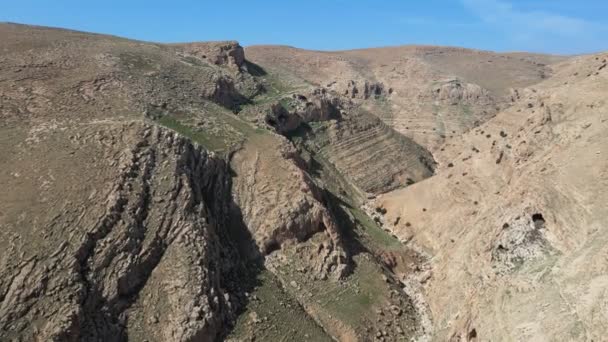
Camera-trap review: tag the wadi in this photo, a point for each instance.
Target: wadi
(209, 192)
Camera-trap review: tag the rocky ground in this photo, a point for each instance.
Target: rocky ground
(202, 192)
(515, 216)
(426, 93)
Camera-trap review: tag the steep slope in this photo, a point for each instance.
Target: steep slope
(96, 250)
(118, 229)
(142, 203)
(373, 156)
(515, 219)
(426, 93)
(281, 203)
(200, 192)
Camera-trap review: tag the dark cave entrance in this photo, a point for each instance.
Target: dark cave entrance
(538, 220)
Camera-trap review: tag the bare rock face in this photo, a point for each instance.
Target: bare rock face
(229, 54)
(370, 154)
(142, 255)
(322, 105)
(361, 89)
(366, 90)
(289, 113)
(454, 91)
(520, 241)
(373, 156)
(282, 205)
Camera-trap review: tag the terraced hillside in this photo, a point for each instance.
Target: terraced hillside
(366, 151)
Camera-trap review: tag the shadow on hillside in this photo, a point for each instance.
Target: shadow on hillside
(242, 256)
(347, 225)
(254, 69)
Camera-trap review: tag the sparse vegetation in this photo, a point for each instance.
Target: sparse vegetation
(209, 141)
(114, 227)
(270, 303)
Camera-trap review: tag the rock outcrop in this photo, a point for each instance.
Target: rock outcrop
(282, 205)
(373, 156)
(143, 254)
(456, 92)
(229, 54)
(521, 241)
(366, 90)
(289, 113)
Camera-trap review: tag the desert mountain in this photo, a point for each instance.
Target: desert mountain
(203, 192)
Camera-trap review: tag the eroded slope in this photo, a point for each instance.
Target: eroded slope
(515, 218)
(426, 93)
(120, 224)
(96, 250)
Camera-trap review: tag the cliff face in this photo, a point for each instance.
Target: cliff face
(372, 156)
(282, 205)
(291, 113)
(516, 216)
(116, 228)
(140, 251)
(229, 54)
(182, 193)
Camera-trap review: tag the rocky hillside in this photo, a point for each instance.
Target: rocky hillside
(372, 156)
(514, 220)
(144, 202)
(206, 192)
(433, 93)
(96, 240)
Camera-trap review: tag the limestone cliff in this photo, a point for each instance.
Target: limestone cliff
(139, 249)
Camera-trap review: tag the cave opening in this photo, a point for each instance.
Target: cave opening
(538, 220)
(271, 122)
(472, 334)
(271, 246)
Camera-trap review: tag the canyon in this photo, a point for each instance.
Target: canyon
(205, 191)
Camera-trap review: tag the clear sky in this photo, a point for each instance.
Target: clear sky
(552, 26)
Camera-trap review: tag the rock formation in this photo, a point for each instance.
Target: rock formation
(181, 192)
(366, 90)
(281, 204)
(229, 54)
(148, 244)
(289, 113)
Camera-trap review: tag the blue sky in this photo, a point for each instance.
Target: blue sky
(552, 26)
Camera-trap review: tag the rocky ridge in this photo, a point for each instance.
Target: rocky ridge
(184, 192)
(127, 238)
(519, 202)
(151, 235)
